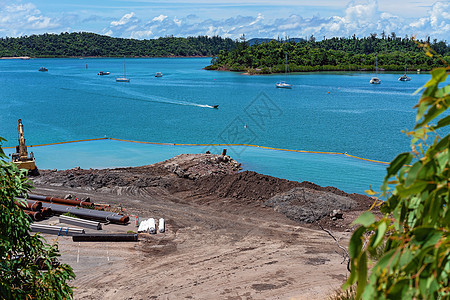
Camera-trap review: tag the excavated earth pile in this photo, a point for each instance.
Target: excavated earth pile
(204, 178)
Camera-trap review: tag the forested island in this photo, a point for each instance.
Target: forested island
(335, 54)
(256, 56)
(80, 44)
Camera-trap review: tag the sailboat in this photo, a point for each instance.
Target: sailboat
(124, 77)
(404, 77)
(284, 84)
(375, 80)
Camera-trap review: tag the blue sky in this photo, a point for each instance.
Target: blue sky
(144, 19)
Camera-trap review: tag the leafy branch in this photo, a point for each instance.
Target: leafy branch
(414, 232)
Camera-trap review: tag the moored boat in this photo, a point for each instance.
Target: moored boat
(284, 84)
(124, 77)
(404, 77)
(103, 73)
(42, 69)
(375, 80)
(158, 74)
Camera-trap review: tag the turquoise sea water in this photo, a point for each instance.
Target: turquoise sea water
(335, 112)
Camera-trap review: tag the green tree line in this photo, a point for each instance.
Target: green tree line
(91, 44)
(335, 54)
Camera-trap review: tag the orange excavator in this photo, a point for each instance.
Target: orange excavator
(21, 157)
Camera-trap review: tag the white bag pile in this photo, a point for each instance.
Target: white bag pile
(149, 226)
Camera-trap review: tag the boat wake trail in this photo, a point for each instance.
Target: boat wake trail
(159, 99)
(147, 98)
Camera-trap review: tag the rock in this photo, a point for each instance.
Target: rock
(336, 214)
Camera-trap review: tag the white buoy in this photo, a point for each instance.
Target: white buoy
(151, 225)
(161, 225)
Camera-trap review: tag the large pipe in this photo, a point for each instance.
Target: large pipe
(88, 213)
(58, 230)
(80, 222)
(105, 237)
(46, 211)
(35, 206)
(59, 200)
(35, 215)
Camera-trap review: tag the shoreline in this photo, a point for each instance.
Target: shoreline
(363, 70)
(16, 57)
(82, 57)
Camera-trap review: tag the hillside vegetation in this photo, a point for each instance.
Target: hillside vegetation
(91, 44)
(335, 54)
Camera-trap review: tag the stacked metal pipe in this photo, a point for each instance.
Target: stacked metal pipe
(80, 222)
(60, 200)
(58, 230)
(34, 210)
(39, 207)
(87, 213)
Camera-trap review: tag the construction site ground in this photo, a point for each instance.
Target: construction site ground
(223, 238)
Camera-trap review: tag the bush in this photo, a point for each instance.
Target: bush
(414, 232)
(24, 256)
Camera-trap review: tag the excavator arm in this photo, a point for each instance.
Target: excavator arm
(23, 154)
(21, 158)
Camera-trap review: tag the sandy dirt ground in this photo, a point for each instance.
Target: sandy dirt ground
(222, 239)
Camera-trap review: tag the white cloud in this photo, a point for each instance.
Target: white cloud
(437, 22)
(127, 18)
(176, 21)
(359, 17)
(159, 18)
(18, 19)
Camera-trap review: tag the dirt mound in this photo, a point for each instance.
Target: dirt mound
(303, 202)
(162, 174)
(247, 185)
(194, 166)
(208, 179)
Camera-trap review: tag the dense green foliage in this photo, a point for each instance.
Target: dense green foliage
(413, 234)
(336, 54)
(27, 266)
(91, 44)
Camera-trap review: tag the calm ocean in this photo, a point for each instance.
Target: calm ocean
(332, 112)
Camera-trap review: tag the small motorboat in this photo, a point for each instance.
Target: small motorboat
(158, 74)
(283, 85)
(103, 73)
(42, 69)
(215, 106)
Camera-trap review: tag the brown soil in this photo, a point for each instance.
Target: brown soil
(230, 234)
